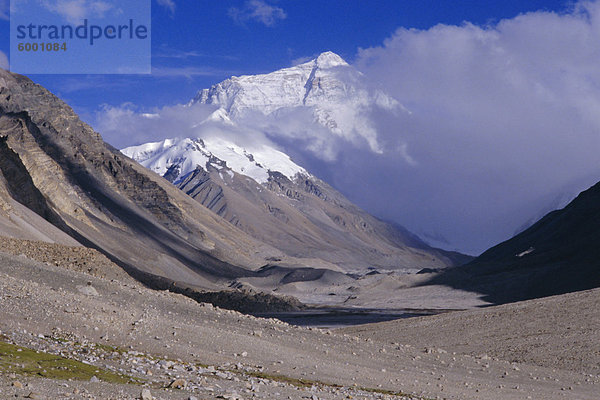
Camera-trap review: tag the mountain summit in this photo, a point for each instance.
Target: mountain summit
(311, 83)
(262, 191)
(327, 86)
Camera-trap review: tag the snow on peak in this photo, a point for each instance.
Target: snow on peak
(312, 82)
(329, 59)
(188, 154)
(327, 86)
(221, 116)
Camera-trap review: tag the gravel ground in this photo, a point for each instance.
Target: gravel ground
(559, 332)
(162, 339)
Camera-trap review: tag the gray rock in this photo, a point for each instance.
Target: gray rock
(87, 290)
(178, 384)
(146, 395)
(17, 384)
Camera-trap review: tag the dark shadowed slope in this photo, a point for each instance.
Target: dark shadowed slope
(559, 254)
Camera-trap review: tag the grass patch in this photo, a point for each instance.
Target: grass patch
(23, 361)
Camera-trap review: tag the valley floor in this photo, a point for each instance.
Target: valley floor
(156, 338)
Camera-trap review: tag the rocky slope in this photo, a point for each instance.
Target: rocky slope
(278, 202)
(555, 332)
(558, 254)
(77, 341)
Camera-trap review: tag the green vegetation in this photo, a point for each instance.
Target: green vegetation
(22, 361)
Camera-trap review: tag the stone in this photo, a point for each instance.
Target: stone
(94, 379)
(146, 395)
(17, 384)
(178, 384)
(87, 290)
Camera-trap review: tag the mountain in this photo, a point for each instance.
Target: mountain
(328, 88)
(175, 159)
(260, 190)
(60, 182)
(558, 254)
(57, 174)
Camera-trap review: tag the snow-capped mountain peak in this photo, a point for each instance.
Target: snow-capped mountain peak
(182, 156)
(288, 87)
(327, 87)
(329, 59)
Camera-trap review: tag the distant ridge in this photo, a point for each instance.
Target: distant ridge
(558, 254)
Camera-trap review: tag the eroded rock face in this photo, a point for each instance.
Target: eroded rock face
(57, 166)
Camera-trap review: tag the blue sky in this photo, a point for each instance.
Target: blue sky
(198, 43)
(504, 98)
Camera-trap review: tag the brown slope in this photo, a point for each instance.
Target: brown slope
(58, 167)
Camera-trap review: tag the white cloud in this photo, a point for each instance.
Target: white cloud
(168, 4)
(502, 116)
(259, 11)
(75, 11)
(3, 61)
(302, 60)
(177, 121)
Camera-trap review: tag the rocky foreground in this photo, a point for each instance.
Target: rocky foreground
(79, 333)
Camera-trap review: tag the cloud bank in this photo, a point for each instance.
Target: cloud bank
(502, 116)
(126, 125)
